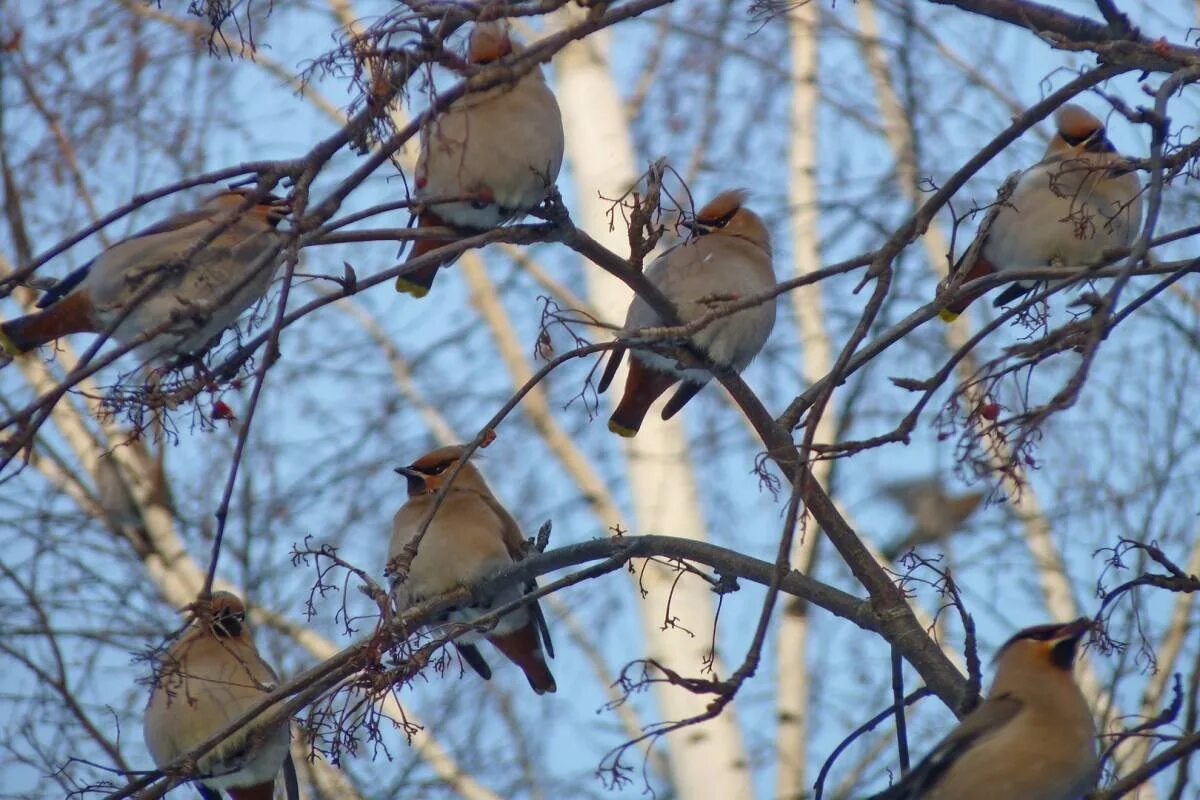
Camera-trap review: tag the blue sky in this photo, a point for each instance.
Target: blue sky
(330, 411)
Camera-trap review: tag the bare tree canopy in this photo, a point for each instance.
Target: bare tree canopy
(892, 304)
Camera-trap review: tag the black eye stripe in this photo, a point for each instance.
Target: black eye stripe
(719, 222)
(1076, 139)
(228, 623)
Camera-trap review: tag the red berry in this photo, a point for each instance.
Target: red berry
(221, 410)
(990, 411)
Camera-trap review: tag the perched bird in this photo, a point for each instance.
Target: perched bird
(728, 258)
(470, 537)
(497, 152)
(936, 514)
(115, 497)
(206, 681)
(1033, 738)
(1080, 200)
(200, 298)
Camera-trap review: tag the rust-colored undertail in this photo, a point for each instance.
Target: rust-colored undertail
(980, 268)
(263, 791)
(419, 282)
(642, 387)
(521, 648)
(72, 314)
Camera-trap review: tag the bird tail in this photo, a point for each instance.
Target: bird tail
(642, 387)
(470, 654)
(420, 281)
(678, 400)
(610, 369)
(72, 314)
(978, 269)
(262, 791)
(1014, 292)
(523, 648)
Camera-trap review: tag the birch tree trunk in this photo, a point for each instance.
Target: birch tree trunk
(709, 761)
(791, 669)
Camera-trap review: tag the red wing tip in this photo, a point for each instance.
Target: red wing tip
(621, 430)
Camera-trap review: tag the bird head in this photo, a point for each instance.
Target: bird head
(1078, 131)
(227, 615)
(429, 472)
(269, 208)
(727, 215)
(1044, 646)
(489, 42)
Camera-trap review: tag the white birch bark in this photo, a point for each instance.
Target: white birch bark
(791, 668)
(707, 761)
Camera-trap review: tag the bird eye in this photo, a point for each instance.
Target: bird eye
(722, 221)
(439, 469)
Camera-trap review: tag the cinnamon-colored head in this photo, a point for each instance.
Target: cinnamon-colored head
(489, 42)
(1079, 130)
(270, 209)
(727, 215)
(1043, 646)
(227, 619)
(429, 472)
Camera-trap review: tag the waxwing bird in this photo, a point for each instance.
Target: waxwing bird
(208, 679)
(470, 537)
(1033, 738)
(728, 258)
(936, 514)
(1080, 200)
(196, 297)
(498, 152)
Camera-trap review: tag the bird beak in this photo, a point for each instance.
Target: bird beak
(408, 472)
(1098, 142)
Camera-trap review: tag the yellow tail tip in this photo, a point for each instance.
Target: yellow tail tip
(408, 287)
(621, 430)
(946, 315)
(8, 345)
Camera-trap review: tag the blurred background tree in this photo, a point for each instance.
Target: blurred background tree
(843, 120)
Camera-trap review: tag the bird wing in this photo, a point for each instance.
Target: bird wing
(610, 369)
(509, 530)
(518, 549)
(994, 713)
(61, 289)
(175, 222)
(291, 785)
(975, 250)
(74, 278)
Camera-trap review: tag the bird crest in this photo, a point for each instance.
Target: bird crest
(226, 612)
(489, 42)
(1059, 640)
(439, 460)
(722, 208)
(1079, 128)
